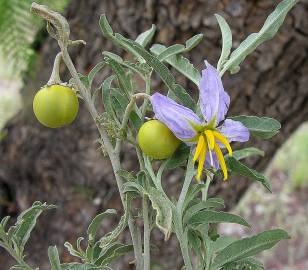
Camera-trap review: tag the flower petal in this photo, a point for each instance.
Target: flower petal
(174, 116)
(214, 100)
(235, 131)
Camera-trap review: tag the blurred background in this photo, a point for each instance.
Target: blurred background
(65, 167)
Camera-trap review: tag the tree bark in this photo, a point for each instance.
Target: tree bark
(65, 167)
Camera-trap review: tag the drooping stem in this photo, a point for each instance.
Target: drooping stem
(146, 234)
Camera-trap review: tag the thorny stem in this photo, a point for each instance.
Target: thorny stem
(62, 35)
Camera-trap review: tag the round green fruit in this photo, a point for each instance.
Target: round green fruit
(55, 106)
(156, 140)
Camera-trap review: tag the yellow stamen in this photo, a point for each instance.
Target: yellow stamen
(224, 141)
(201, 161)
(200, 145)
(210, 136)
(221, 161)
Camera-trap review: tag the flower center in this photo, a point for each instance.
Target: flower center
(208, 141)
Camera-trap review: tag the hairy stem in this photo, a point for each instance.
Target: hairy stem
(62, 35)
(55, 75)
(190, 171)
(205, 190)
(146, 234)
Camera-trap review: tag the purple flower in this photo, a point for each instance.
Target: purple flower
(206, 135)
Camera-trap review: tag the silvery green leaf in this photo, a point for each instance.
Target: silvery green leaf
(180, 63)
(111, 237)
(97, 221)
(81, 266)
(97, 68)
(117, 252)
(226, 41)
(269, 29)
(26, 222)
(248, 263)
(108, 33)
(72, 250)
(260, 127)
(146, 37)
(4, 222)
(162, 71)
(221, 243)
(248, 247)
(106, 97)
(247, 152)
(172, 50)
(123, 80)
(54, 258)
(236, 166)
(128, 176)
(178, 48)
(210, 216)
(139, 68)
(193, 42)
(210, 203)
(163, 209)
(192, 192)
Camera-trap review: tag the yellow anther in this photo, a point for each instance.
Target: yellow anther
(224, 141)
(201, 162)
(200, 145)
(221, 161)
(210, 136)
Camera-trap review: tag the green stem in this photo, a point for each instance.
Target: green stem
(114, 156)
(205, 190)
(190, 171)
(17, 258)
(55, 74)
(148, 92)
(146, 235)
(183, 241)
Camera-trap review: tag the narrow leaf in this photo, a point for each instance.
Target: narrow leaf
(260, 127)
(269, 29)
(180, 63)
(210, 216)
(54, 258)
(172, 50)
(236, 166)
(146, 37)
(26, 222)
(97, 68)
(162, 71)
(247, 152)
(97, 221)
(248, 247)
(226, 41)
